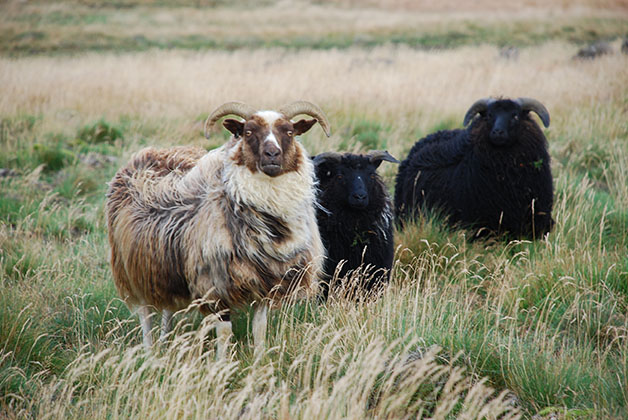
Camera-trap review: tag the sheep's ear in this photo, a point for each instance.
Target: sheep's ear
(302, 126)
(234, 126)
(376, 157)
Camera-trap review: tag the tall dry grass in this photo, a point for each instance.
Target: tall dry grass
(400, 86)
(340, 373)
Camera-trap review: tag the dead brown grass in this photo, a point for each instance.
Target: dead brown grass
(397, 85)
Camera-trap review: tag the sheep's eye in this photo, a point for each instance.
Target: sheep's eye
(248, 133)
(373, 176)
(339, 176)
(289, 133)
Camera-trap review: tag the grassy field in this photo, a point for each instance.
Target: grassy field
(467, 329)
(131, 25)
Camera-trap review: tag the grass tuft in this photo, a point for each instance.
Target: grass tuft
(100, 132)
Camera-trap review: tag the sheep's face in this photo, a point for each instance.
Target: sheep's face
(350, 182)
(268, 142)
(504, 118)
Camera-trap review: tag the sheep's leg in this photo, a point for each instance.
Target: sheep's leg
(260, 321)
(146, 319)
(166, 324)
(223, 335)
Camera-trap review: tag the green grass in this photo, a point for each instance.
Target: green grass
(37, 29)
(30, 42)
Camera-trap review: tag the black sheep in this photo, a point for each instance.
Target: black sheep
(354, 218)
(493, 176)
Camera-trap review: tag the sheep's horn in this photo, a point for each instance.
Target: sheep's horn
(325, 156)
(379, 155)
(529, 104)
(478, 106)
(307, 108)
(230, 108)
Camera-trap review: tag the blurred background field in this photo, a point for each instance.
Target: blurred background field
(475, 329)
(67, 27)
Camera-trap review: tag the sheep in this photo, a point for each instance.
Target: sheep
(594, 50)
(509, 52)
(226, 228)
(354, 217)
(494, 175)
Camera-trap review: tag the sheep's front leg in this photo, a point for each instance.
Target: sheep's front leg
(146, 319)
(223, 335)
(166, 324)
(260, 321)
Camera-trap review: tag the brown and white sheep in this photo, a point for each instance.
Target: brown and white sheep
(226, 228)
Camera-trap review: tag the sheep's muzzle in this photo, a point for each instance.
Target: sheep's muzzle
(271, 159)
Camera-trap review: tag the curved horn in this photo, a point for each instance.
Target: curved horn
(307, 108)
(380, 155)
(322, 157)
(529, 104)
(230, 108)
(478, 106)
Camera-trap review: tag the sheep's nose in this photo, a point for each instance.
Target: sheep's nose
(499, 137)
(359, 199)
(272, 152)
(498, 133)
(359, 196)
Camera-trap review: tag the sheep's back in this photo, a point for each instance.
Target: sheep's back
(431, 170)
(145, 214)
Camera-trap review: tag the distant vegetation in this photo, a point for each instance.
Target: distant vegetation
(67, 28)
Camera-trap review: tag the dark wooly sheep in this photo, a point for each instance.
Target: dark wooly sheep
(493, 176)
(355, 219)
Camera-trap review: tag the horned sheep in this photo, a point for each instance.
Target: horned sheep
(355, 220)
(227, 228)
(493, 176)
